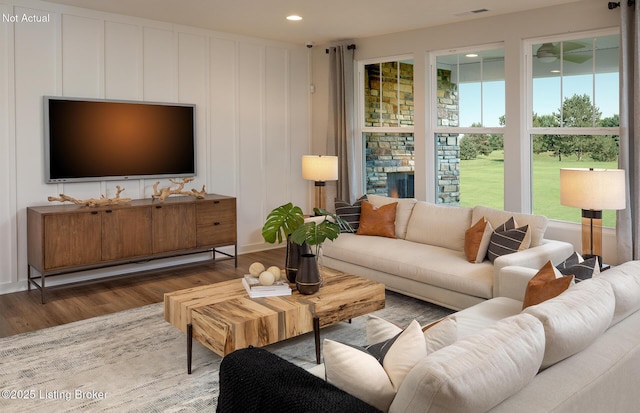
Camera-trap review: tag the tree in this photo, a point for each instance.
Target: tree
(483, 143)
(467, 149)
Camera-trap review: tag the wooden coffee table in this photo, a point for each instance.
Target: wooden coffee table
(223, 318)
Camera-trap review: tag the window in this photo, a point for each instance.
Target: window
(387, 127)
(468, 124)
(575, 114)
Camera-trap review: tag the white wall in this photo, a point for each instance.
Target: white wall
(251, 97)
(510, 29)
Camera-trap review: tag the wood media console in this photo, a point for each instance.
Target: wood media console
(62, 239)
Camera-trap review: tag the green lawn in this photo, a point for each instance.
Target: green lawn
(482, 182)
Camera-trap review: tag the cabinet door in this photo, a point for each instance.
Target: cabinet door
(216, 222)
(173, 227)
(126, 233)
(71, 239)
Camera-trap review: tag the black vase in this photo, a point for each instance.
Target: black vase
(308, 277)
(292, 263)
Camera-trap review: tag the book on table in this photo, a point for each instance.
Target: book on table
(256, 290)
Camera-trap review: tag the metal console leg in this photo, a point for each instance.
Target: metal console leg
(189, 346)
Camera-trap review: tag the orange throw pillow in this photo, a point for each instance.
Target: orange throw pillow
(544, 285)
(476, 240)
(379, 221)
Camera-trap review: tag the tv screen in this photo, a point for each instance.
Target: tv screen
(96, 140)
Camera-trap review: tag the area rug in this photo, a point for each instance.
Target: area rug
(134, 361)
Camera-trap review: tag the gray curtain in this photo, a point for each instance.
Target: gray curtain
(628, 220)
(340, 139)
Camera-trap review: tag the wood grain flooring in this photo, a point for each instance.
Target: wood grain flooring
(22, 311)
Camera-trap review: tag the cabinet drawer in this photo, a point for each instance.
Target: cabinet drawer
(216, 223)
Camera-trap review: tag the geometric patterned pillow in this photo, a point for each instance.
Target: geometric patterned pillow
(349, 213)
(573, 259)
(506, 239)
(582, 270)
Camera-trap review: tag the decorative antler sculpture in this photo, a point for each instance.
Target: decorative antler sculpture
(93, 202)
(164, 193)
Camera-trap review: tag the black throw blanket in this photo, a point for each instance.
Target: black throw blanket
(254, 380)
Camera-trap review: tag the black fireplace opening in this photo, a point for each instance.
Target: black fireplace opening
(400, 184)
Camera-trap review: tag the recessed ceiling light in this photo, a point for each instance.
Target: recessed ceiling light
(294, 18)
(471, 55)
(555, 71)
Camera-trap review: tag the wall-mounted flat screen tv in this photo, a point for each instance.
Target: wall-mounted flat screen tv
(97, 140)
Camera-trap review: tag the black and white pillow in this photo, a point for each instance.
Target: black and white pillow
(349, 213)
(579, 267)
(506, 239)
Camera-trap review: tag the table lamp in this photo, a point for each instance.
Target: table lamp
(320, 169)
(592, 190)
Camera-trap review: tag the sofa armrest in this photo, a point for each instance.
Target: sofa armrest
(535, 258)
(514, 280)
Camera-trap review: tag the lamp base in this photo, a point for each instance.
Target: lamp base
(592, 234)
(320, 194)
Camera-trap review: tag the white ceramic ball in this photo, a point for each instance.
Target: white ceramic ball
(275, 271)
(256, 268)
(266, 278)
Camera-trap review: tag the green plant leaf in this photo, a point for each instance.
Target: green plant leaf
(281, 222)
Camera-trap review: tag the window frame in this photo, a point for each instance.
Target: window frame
(432, 129)
(360, 128)
(528, 130)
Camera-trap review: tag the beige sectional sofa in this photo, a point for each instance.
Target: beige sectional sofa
(426, 260)
(577, 352)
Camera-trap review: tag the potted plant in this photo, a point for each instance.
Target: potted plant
(287, 222)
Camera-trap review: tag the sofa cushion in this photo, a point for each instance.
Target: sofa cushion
(477, 372)
(485, 314)
(363, 374)
(546, 284)
(574, 319)
(439, 225)
(507, 239)
(437, 266)
(537, 224)
(349, 213)
(405, 206)
(378, 221)
(625, 282)
(476, 240)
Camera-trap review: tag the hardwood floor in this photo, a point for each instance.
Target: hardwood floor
(22, 311)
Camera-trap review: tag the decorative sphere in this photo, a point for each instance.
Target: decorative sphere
(275, 271)
(256, 268)
(266, 278)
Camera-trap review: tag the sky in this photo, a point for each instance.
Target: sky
(546, 97)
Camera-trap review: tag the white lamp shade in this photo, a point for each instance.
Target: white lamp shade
(590, 188)
(320, 168)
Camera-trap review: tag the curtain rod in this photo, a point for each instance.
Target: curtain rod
(614, 4)
(349, 47)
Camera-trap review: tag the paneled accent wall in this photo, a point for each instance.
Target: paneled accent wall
(251, 97)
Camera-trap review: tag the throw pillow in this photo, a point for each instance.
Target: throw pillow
(579, 267)
(572, 260)
(349, 213)
(545, 285)
(437, 334)
(358, 373)
(507, 239)
(361, 374)
(476, 240)
(379, 221)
